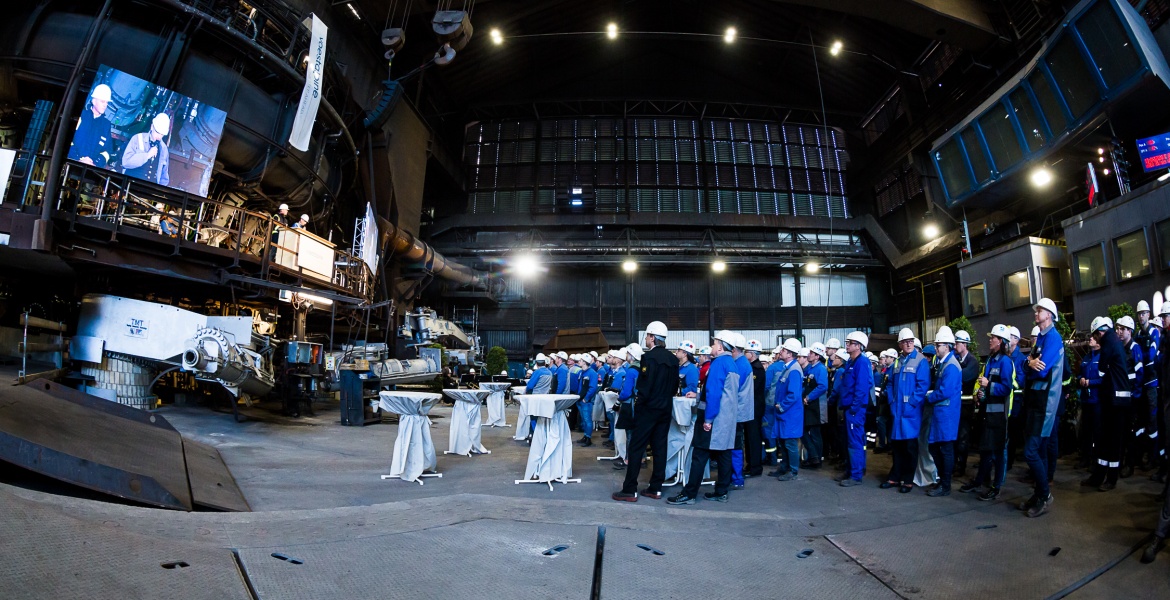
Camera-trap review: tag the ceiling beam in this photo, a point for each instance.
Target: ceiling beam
(962, 23)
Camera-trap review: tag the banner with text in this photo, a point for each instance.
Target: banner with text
(302, 127)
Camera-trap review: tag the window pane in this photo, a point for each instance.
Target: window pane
(1001, 137)
(976, 154)
(1016, 291)
(1072, 76)
(1029, 119)
(1108, 44)
(1163, 230)
(954, 168)
(1089, 268)
(976, 299)
(1133, 258)
(1050, 286)
(1049, 103)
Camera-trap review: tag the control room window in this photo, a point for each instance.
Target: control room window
(976, 296)
(1133, 256)
(1017, 290)
(1089, 268)
(1163, 230)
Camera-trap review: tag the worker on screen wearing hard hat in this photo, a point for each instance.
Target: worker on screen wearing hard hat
(146, 156)
(92, 143)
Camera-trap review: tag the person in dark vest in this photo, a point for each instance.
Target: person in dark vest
(657, 383)
(92, 143)
(1115, 398)
(969, 363)
(146, 156)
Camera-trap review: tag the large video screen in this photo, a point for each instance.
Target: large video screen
(1155, 152)
(144, 130)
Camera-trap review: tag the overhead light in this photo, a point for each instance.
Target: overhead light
(525, 265)
(1100, 151)
(835, 49)
(719, 266)
(1041, 177)
(930, 231)
(356, 16)
(611, 31)
(497, 37)
(1106, 171)
(1164, 176)
(629, 266)
(314, 299)
(812, 267)
(1101, 159)
(729, 35)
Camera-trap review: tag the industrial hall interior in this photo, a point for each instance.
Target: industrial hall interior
(584, 299)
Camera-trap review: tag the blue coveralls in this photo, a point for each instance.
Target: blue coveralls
(744, 368)
(997, 398)
(818, 404)
(1138, 417)
(788, 407)
(562, 379)
(853, 397)
(1090, 431)
(944, 425)
(1042, 399)
(1153, 360)
(907, 393)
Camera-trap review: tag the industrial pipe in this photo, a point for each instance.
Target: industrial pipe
(411, 249)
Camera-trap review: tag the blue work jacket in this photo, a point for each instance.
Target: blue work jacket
(947, 400)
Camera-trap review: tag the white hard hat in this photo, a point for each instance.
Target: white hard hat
(504, 372)
(1143, 306)
(740, 341)
(1049, 306)
(905, 334)
(803, 352)
(890, 352)
(541, 358)
(792, 345)
(944, 336)
(841, 354)
(871, 356)
(283, 207)
(304, 217)
(1100, 323)
(1000, 331)
(687, 346)
(962, 336)
(754, 346)
(833, 343)
(619, 354)
(1165, 308)
(1035, 330)
(1126, 322)
(101, 91)
(471, 371)
(726, 335)
(563, 355)
(657, 328)
(635, 351)
(705, 351)
(593, 353)
(161, 124)
(819, 348)
(859, 337)
(1157, 321)
(1014, 331)
(917, 343)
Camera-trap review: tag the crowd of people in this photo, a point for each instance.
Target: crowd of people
(930, 406)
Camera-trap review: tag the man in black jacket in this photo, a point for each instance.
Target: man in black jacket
(1115, 397)
(656, 385)
(753, 445)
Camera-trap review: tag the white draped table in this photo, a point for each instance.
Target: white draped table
(414, 452)
(522, 423)
(608, 400)
(678, 440)
(465, 423)
(495, 403)
(551, 456)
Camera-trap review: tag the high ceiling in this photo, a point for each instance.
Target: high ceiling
(557, 50)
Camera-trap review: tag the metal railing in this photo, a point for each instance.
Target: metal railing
(99, 199)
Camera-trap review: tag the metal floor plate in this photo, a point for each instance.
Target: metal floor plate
(478, 559)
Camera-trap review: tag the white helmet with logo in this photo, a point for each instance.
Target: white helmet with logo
(859, 337)
(819, 348)
(754, 346)
(841, 354)
(962, 336)
(705, 351)
(1143, 306)
(1126, 322)
(687, 346)
(1100, 323)
(1000, 331)
(1048, 305)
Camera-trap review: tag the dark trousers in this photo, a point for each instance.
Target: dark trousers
(699, 459)
(789, 451)
(753, 444)
(813, 444)
(989, 459)
(1136, 444)
(944, 459)
(1114, 431)
(1016, 435)
(1036, 455)
(905, 455)
(650, 427)
(1090, 432)
(1162, 529)
(963, 442)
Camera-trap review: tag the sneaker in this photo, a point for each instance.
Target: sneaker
(1041, 508)
(1106, 486)
(619, 464)
(712, 496)
(970, 487)
(906, 488)
(625, 496)
(776, 473)
(680, 500)
(939, 492)
(653, 495)
(849, 482)
(989, 495)
(789, 476)
(1028, 504)
(737, 486)
(585, 442)
(885, 485)
(842, 477)
(1152, 551)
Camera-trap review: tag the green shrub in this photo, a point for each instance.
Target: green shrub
(1122, 310)
(962, 324)
(497, 360)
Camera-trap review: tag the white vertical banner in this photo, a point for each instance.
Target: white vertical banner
(302, 127)
(7, 157)
(370, 239)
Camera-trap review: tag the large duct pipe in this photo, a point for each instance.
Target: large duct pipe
(408, 248)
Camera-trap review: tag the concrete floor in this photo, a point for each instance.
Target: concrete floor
(319, 501)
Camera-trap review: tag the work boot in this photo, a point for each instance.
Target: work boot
(680, 499)
(789, 476)
(625, 496)
(608, 444)
(1028, 504)
(849, 482)
(939, 492)
(1152, 550)
(585, 442)
(776, 473)
(619, 464)
(989, 495)
(967, 488)
(712, 496)
(652, 494)
(1041, 508)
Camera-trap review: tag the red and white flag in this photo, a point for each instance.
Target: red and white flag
(1091, 184)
